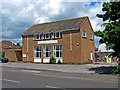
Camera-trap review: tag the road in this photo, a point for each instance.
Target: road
(22, 78)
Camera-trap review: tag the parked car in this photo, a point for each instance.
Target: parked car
(3, 59)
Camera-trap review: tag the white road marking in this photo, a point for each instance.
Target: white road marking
(51, 87)
(32, 71)
(11, 81)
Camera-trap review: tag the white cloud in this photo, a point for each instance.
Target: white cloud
(29, 8)
(17, 17)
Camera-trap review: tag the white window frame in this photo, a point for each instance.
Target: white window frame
(59, 50)
(49, 35)
(49, 51)
(91, 36)
(35, 51)
(59, 35)
(39, 35)
(84, 34)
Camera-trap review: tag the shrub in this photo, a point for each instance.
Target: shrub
(59, 62)
(117, 70)
(52, 60)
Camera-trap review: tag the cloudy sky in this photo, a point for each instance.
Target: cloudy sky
(18, 15)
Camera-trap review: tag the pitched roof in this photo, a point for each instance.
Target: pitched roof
(5, 44)
(61, 25)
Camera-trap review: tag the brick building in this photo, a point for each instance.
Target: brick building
(10, 50)
(70, 40)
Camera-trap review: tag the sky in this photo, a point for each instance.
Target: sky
(18, 15)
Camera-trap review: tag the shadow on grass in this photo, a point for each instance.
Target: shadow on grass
(103, 69)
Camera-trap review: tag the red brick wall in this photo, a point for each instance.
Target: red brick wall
(87, 45)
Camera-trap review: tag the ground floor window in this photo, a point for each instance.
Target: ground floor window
(47, 51)
(58, 51)
(37, 51)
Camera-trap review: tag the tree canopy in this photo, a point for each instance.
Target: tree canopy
(111, 34)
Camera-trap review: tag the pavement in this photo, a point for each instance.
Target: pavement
(85, 68)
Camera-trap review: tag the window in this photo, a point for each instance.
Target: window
(37, 36)
(37, 51)
(58, 35)
(47, 51)
(83, 33)
(58, 51)
(47, 36)
(91, 36)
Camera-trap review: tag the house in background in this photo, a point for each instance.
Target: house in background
(70, 40)
(11, 50)
(104, 55)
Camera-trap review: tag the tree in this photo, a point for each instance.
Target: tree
(18, 44)
(111, 33)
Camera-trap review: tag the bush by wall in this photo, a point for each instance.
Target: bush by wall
(52, 60)
(59, 62)
(117, 70)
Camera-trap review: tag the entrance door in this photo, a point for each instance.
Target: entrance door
(46, 54)
(37, 54)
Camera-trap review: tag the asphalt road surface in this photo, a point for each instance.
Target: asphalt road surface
(20, 78)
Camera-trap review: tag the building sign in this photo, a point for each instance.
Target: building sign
(48, 42)
(24, 55)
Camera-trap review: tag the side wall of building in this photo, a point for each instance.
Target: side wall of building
(13, 54)
(87, 44)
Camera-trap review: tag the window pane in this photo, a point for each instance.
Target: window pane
(91, 36)
(83, 33)
(57, 47)
(60, 47)
(47, 54)
(35, 37)
(60, 34)
(40, 36)
(40, 54)
(57, 53)
(47, 35)
(60, 53)
(37, 48)
(57, 34)
(37, 54)
(47, 48)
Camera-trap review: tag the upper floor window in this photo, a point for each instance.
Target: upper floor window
(37, 36)
(58, 35)
(83, 33)
(91, 36)
(47, 36)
